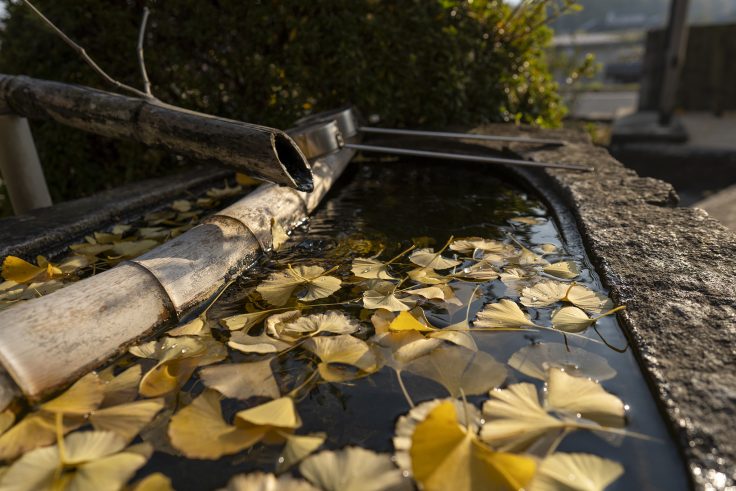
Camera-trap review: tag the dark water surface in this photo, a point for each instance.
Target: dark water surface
(390, 205)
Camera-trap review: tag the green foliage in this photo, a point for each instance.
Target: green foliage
(415, 63)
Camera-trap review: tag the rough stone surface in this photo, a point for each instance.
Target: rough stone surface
(675, 270)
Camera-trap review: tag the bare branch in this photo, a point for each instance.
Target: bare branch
(85, 56)
(141, 61)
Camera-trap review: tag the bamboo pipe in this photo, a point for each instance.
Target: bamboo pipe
(258, 151)
(48, 342)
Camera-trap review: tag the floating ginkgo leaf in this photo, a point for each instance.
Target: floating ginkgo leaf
(527, 220)
(588, 300)
(245, 321)
(584, 397)
(7, 418)
(460, 370)
(126, 420)
(353, 469)
(528, 258)
(407, 322)
(536, 359)
(430, 292)
(81, 398)
(548, 248)
(480, 271)
(427, 258)
(503, 314)
(262, 344)
(297, 448)
(279, 287)
(259, 481)
(242, 380)
(563, 269)
(575, 472)
(407, 423)
(574, 320)
(153, 482)
(381, 295)
(196, 327)
(274, 419)
(445, 455)
(471, 244)
(332, 321)
(369, 268)
(91, 461)
(344, 349)
(427, 276)
(121, 388)
(517, 421)
(399, 348)
(199, 431)
(33, 431)
(543, 294)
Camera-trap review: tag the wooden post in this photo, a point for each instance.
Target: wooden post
(258, 151)
(19, 166)
(675, 52)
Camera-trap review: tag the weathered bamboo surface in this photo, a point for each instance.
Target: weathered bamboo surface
(258, 151)
(47, 342)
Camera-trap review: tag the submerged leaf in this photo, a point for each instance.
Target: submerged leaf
(536, 359)
(353, 469)
(242, 380)
(460, 370)
(575, 472)
(505, 313)
(447, 456)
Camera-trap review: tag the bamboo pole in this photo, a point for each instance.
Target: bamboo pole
(258, 151)
(48, 342)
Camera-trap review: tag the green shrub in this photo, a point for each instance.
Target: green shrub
(429, 63)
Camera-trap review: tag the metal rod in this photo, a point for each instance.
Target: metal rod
(465, 157)
(464, 136)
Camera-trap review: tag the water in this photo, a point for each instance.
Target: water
(389, 206)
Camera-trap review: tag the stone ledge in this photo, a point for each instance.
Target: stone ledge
(675, 269)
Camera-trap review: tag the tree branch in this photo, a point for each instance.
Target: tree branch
(85, 56)
(141, 62)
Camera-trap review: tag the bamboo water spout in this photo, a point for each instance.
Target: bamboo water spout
(258, 151)
(48, 342)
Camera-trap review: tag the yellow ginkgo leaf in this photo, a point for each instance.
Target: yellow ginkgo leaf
(167, 376)
(245, 180)
(262, 344)
(81, 398)
(571, 319)
(276, 323)
(297, 448)
(503, 314)
(427, 276)
(369, 268)
(274, 419)
(528, 258)
(427, 258)
(480, 271)
(195, 327)
(278, 235)
(242, 380)
(516, 420)
(342, 350)
(460, 370)
(575, 472)
(563, 269)
(245, 321)
(528, 220)
(584, 397)
(407, 423)
(90, 250)
(331, 321)
(548, 248)
(399, 348)
(199, 431)
(588, 300)
(130, 249)
(543, 294)
(465, 246)
(430, 292)
(258, 481)
(7, 418)
(407, 322)
(536, 359)
(20, 271)
(353, 469)
(120, 388)
(153, 482)
(381, 295)
(181, 205)
(33, 431)
(126, 420)
(91, 460)
(279, 286)
(446, 456)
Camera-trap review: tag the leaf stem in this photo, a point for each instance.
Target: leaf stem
(141, 61)
(403, 388)
(413, 246)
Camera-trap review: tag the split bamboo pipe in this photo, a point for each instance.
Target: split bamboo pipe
(48, 342)
(258, 151)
